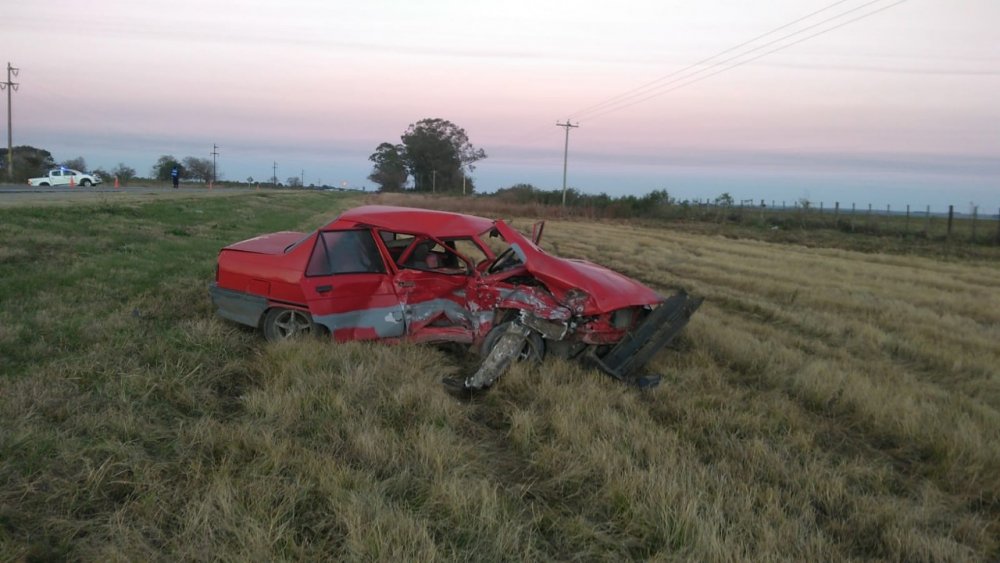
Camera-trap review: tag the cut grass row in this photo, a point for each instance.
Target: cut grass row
(824, 404)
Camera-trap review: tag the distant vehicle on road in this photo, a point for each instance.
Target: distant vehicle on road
(62, 177)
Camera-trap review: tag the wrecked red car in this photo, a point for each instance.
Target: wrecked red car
(394, 273)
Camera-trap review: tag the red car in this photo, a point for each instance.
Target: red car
(379, 272)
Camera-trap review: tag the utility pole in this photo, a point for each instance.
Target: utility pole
(215, 153)
(303, 177)
(568, 126)
(10, 87)
(274, 174)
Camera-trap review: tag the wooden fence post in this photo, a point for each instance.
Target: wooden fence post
(927, 223)
(975, 212)
(906, 228)
(951, 219)
(836, 210)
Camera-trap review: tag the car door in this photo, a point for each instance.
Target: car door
(433, 283)
(58, 178)
(348, 288)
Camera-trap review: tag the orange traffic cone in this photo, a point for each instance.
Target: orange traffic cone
(72, 182)
(116, 183)
(210, 185)
(258, 187)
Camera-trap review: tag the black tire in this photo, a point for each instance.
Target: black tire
(85, 183)
(534, 345)
(283, 324)
(45, 184)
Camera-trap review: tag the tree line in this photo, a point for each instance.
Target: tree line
(31, 162)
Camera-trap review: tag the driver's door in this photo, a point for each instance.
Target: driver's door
(59, 178)
(433, 283)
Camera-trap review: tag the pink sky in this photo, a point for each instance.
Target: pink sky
(897, 108)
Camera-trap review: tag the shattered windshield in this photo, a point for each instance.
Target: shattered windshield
(495, 241)
(508, 255)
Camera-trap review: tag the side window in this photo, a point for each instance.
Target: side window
(396, 243)
(345, 252)
(431, 256)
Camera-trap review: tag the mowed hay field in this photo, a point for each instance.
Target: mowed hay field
(822, 404)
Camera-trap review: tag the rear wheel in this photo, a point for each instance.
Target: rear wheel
(85, 183)
(283, 324)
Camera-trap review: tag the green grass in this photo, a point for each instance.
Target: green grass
(823, 404)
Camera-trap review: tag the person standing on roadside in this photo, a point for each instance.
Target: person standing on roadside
(175, 175)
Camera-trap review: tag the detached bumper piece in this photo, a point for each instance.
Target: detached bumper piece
(627, 359)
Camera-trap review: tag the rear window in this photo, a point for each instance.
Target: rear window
(345, 252)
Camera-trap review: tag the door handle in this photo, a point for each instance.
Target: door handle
(405, 284)
(324, 288)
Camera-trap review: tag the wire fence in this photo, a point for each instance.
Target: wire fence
(908, 222)
(974, 227)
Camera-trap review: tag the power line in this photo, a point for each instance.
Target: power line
(638, 90)
(627, 100)
(743, 62)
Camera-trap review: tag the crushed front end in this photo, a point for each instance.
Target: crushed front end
(627, 359)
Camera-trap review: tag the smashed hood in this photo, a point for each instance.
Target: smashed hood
(607, 290)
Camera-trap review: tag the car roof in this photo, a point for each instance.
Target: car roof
(416, 221)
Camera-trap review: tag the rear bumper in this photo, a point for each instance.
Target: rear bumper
(237, 306)
(626, 360)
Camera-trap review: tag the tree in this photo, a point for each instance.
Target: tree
(198, 168)
(29, 162)
(389, 171)
(724, 200)
(77, 163)
(437, 152)
(294, 182)
(125, 174)
(161, 170)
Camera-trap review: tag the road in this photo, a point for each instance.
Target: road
(12, 195)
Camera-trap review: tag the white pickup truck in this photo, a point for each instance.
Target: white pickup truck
(62, 177)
